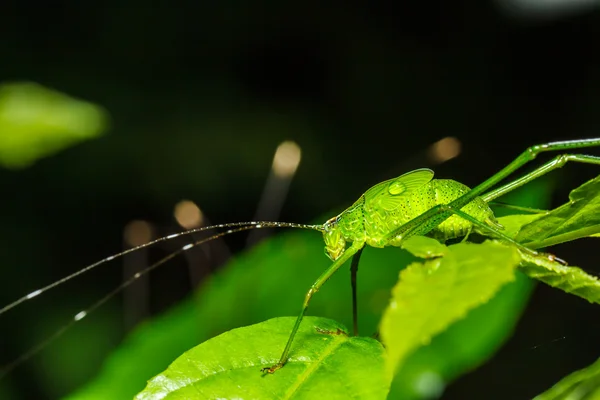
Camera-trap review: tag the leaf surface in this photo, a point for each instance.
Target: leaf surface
(430, 296)
(578, 218)
(322, 365)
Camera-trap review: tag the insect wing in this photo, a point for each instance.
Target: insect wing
(389, 195)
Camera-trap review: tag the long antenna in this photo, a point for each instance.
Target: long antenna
(239, 227)
(249, 225)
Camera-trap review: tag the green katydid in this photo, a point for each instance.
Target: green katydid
(416, 204)
(385, 215)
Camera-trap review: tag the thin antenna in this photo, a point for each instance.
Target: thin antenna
(241, 226)
(250, 225)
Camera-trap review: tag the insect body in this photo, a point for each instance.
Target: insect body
(390, 204)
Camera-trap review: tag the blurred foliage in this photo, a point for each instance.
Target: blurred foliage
(36, 122)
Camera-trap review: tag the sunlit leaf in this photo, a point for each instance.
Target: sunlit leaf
(567, 278)
(580, 217)
(36, 122)
(580, 385)
(432, 295)
(324, 365)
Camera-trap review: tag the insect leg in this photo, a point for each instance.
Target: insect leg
(528, 155)
(518, 208)
(350, 251)
(556, 162)
(353, 272)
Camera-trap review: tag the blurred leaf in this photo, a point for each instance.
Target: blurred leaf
(432, 295)
(580, 385)
(580, 217)
(36, 121)
(570, 279)
(333, 366)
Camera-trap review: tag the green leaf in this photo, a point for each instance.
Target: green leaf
(465, 345)
(424, 247)
(432, 295)
(36, 121)
(324, 365)
(580, 217)
(513, 223)
(570, 279)
(579, 385)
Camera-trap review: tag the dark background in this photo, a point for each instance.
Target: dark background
(201, 93)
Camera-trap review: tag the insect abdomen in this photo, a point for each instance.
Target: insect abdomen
(444, 191)
(456, 226)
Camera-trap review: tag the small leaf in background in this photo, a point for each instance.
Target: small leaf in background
(580, 385)
(36, 122)
(321, 365)
(570, 279)
(580, 217)
(432, 295)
